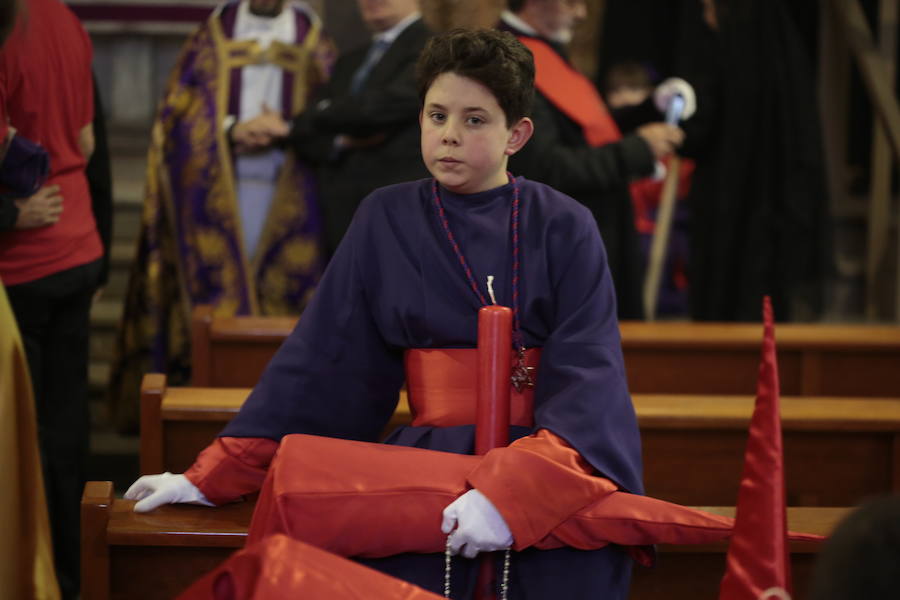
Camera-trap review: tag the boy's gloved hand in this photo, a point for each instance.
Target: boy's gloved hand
(156, 490)
(479, 525)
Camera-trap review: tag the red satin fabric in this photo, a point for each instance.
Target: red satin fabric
(758, 556)
(361, 499)
(279, 567)
(231, 467)
(442, 387)
(572, 93)
(536, 483)
(442, 390)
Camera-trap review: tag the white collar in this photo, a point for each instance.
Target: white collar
(516, 22)
(394, 32)
(513, 20)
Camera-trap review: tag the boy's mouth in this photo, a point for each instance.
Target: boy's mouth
(449, 160)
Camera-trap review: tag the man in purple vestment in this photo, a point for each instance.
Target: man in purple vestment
(412, 272)
(223, 225)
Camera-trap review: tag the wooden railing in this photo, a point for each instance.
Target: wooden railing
(845, 34)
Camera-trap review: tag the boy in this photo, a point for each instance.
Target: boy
(411, 273)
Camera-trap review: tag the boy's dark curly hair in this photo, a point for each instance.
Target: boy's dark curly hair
(495, 59)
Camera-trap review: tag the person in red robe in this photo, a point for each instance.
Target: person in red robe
(577, 148)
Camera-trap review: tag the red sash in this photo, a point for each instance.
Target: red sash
(572, 93)
(442, 387)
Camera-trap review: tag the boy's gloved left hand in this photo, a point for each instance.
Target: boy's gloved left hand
(479, 525)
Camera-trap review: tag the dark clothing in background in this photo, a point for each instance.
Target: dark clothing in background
(51, 272)
(53, 314)
(387, 105)
(99, 179)
(758, 204)
(559, 155)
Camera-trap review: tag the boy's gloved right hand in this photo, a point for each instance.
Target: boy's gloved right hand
(155, 490)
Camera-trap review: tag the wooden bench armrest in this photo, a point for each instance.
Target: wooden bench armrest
(153, 391)
(96, 505)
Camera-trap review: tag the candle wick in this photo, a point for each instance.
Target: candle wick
(490, 286)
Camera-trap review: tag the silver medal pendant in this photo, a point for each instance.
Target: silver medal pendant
(522, 376)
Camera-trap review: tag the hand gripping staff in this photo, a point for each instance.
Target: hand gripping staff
(676, 98)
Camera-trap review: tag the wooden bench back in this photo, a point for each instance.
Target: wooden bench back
(233, 351)
(837, 450)
(667, 357)
(158, 554)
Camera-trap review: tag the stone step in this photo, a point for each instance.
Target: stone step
(121, 254)
(128, 187)
(98, 376)
(126, 223)
(102, 344)
(117, 283)
(105, 313)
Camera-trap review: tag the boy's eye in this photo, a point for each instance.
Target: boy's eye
(475, 120)
(437, 117)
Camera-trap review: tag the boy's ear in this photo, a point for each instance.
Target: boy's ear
(519, 134)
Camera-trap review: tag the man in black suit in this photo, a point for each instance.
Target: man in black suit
(576, 147)
(361, 130)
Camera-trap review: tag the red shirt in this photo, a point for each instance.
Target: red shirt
(46, 91)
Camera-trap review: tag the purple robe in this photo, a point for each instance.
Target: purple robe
(395, 283)
(190, 250)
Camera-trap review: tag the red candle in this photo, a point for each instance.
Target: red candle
(494, 347)
(492, 413)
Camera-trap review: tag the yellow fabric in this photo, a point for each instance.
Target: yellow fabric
(26, 554)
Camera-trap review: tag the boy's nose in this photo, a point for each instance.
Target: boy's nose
(450, 138)
(450, 133)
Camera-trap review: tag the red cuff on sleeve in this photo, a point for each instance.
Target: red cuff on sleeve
(537, 483)
(231, 467)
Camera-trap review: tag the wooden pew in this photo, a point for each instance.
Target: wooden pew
(667, 357)
(837, 450)
(127, 555)
(723, 358)
(688, 572)
(158, 554)
(233, 351)
(177, 423)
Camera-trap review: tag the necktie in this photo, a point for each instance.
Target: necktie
(376, 51)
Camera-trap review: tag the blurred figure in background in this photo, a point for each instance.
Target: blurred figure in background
(577, 147)
(362, 129)
(629, 89)
(759, 209)
(51, 259)
(235, 226)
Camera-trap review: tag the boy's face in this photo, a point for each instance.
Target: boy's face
(465, 140)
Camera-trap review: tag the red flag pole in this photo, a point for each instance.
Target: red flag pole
(758, 560)
(492, 416)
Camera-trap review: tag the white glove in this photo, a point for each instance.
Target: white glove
(479, 525)
(156, 490)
